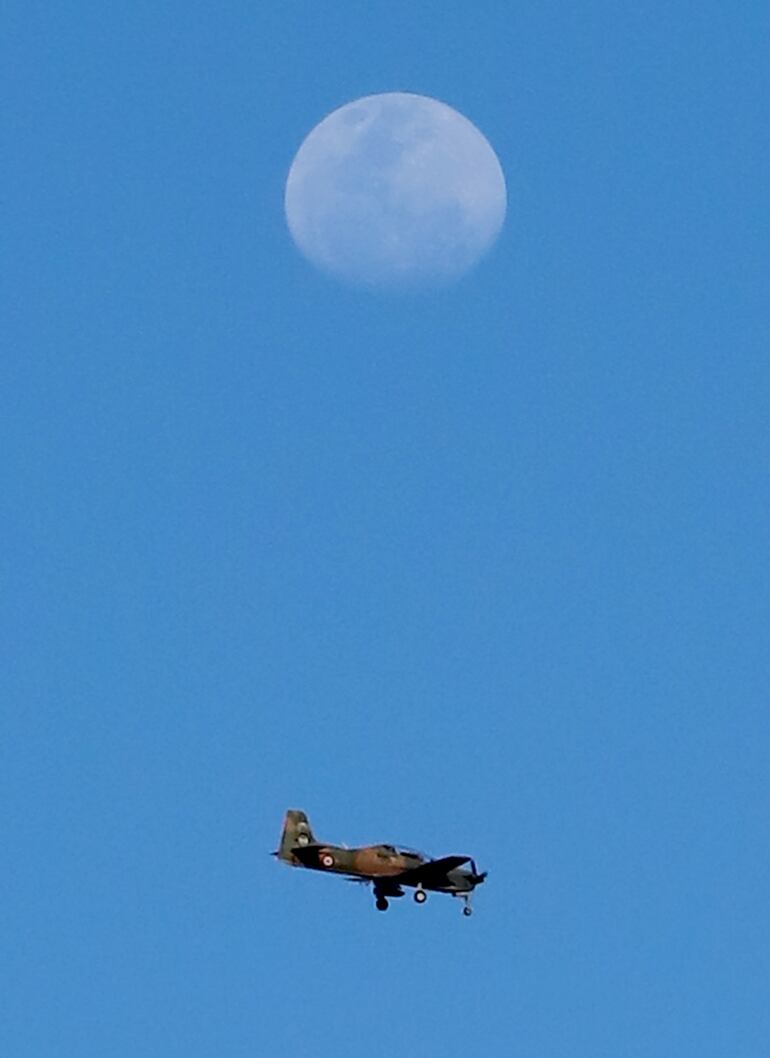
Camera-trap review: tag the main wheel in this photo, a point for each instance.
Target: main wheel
(382, 903)
(420, 896)
(467, 911)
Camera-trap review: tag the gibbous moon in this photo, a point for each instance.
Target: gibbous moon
(395, 190)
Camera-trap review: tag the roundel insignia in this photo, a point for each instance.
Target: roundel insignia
(327, 860)
(302, 839)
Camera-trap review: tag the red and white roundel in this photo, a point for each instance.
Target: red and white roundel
(327, 860)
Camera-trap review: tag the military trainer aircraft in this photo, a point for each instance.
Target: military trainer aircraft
(385, 867)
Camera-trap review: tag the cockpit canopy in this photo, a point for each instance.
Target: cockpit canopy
(402, 850)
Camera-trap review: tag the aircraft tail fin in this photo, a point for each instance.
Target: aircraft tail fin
(296, 832)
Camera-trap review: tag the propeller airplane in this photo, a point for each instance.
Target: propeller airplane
(386, 868)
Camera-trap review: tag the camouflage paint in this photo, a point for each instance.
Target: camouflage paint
(299, 848)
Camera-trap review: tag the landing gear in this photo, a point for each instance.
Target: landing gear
(467, 910)
(420, 896)
(381, 903)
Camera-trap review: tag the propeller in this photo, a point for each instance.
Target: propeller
(477, 878)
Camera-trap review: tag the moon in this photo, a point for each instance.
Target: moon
(395, 190)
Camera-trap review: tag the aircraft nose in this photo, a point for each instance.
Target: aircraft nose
(476, 877)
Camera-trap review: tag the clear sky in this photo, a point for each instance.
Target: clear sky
(484, 571)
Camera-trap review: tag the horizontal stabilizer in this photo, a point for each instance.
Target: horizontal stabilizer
(307, 854)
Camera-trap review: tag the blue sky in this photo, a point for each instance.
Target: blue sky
(483, 571)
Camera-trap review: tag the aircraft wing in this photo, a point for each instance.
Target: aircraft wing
(433, 872)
